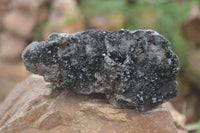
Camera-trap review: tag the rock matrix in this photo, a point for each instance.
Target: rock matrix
(133, 69)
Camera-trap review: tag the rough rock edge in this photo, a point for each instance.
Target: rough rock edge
(134, 69)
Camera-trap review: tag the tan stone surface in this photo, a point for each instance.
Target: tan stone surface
(69, 28)
(111, 22)
(11, 47)
(179, 119)
(31, 108)
(19, 23)
(62, 9)
(28, 5)
(63, 17)
(194, 11)
(4, 6)
(10, 75)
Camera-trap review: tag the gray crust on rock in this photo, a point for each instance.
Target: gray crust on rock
(133, 69)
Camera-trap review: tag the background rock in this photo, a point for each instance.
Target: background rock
(4, 7)
(191, 28)
(191, 31)
(179, 119)
(62, 9)
(11, 47)
(195, 11)
(31, 107)
(193, 70)
(186, 101)
(10, 75)
(111, 22)
(28, 5)
(63, 17)
(19, 23)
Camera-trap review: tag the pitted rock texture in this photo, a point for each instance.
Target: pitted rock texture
(133, 69)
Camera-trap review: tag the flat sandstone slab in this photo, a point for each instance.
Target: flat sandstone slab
(133, 69)
(30, 108)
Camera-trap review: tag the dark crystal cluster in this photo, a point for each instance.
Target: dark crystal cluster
(133, 69)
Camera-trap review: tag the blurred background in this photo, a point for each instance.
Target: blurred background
(24, 21)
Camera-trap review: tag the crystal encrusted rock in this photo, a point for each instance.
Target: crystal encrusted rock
(133, 69)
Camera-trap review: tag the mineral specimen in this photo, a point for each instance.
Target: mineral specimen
(133, 69)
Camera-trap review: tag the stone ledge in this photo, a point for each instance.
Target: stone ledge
(30, 108)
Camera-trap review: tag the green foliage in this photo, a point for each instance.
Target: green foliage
(38, 31)
(171, 15)
(41, 26)
(102, 7)
(194, 127)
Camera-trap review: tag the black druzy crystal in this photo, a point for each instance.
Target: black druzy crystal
(133, 69)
